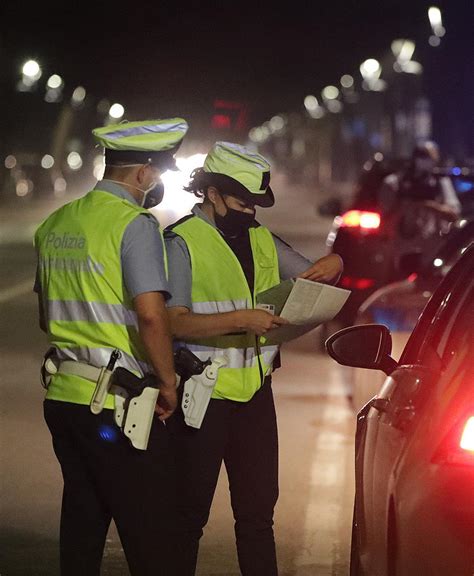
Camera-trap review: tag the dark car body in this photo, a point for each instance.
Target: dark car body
(414, 454)
(367, 241)
(399, 304)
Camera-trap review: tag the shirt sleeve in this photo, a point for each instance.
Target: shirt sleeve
(290, 262)
(179, 271)
(143, 258)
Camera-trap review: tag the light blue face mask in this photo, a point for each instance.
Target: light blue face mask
(154, 196)
(156, 190)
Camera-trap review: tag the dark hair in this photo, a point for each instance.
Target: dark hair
(199, 183)
(201, 180)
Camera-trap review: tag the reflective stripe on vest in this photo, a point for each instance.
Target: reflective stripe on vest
(219, 285)
(236, 357)
(74, 311)
(87, 308)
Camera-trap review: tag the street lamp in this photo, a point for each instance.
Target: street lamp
(54, 88)
(436, 21)
(403, 51)
(31, 70)
(312, 107)
(347, 81)
(370, 71)
(330, 96)
(78, 96)
(116, 111)
(31, 73)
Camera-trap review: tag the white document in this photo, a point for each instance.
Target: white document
(305, 304)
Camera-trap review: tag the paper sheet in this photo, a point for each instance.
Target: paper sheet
(305, 304)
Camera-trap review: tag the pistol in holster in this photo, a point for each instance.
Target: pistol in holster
(199, 378)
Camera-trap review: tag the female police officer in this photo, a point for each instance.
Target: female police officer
(219, 259)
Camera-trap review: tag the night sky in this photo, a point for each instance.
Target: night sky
(175, 58)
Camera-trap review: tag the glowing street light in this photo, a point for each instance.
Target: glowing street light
(311, 103)
(403, 49)
(370, 71)
(54, 82)
(347, 81)
(436, 21)
(54, 88)
(434, 14)
(116, 111)
(330, 92)
(78, 96)
(31, 70)
(31, 73)
(74, 161)
(277, 123)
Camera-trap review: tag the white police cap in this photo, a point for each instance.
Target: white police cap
(150, 141)
(240, 172)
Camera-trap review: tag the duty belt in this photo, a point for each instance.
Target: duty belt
(135, 397)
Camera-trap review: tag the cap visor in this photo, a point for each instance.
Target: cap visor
(265, 200)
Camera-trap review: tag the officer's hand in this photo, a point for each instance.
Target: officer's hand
(326, 269)
(259, 321)
(167, 402)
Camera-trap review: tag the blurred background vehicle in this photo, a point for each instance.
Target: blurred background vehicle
(414, 453)
(370, 244)
(399, 304)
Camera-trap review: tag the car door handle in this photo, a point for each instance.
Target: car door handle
(380, 404)
(405, 413)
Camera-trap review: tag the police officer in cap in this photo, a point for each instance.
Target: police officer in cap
(220, 257)
(101, 303)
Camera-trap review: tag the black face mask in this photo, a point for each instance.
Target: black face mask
(234, 223)
(154, 196)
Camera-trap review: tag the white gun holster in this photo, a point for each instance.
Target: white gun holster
(197, 392)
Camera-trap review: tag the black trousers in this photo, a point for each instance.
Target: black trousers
(244, 436)
(105, 478)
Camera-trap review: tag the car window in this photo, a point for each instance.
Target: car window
(456, 244)
(428, 344)
(459, 327)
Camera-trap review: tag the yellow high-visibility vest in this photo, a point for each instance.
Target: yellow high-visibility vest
(219, 285)
(87, 309)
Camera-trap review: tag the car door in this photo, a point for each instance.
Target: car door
(398, 408)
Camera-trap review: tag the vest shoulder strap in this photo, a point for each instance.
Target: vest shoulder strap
(168, 232)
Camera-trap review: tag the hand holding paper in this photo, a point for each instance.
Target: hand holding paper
(304, 304)
(259, 321)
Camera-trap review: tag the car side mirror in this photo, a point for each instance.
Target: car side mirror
(331, 207)
(365, 346)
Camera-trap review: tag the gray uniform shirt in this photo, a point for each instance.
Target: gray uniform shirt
(290, 262)
(141, 246)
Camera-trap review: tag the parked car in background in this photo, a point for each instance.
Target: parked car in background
(368, 243)
(399, 304)
(414, 448)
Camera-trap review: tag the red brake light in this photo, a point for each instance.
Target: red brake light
(360, 219)
(354, 282)
(458, 446)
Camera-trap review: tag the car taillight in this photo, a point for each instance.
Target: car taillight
(458, 446)
(356, 283)
(367, 221)
(467, 438)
